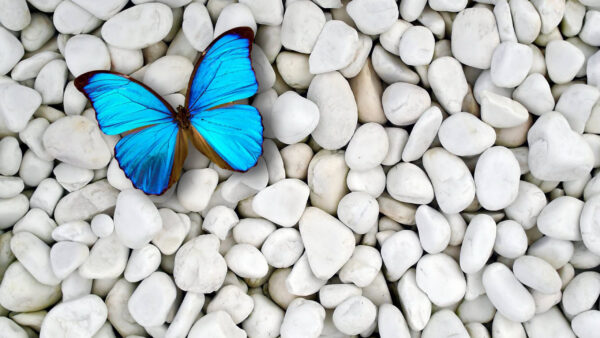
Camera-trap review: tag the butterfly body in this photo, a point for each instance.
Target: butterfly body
(155, 136)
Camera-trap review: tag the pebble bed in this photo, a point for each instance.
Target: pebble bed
(429, 170)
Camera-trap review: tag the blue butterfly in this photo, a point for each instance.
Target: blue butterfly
(155, 141)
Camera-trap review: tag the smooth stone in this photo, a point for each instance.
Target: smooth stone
(232, 16)
(21, 292)
(102, 225)
(134, 207)
(408, 183)
(12, 329)
(373, 17)
(29, 68)
(151, 301)
(294, 69)
(66, 257)
(196, 187)
(560, 218)
(557, 153)
(563, 61)
(370, 181)
(367, 90)
(439, 276)
(590, 230)
(423, 134)
(452, 182)
(294, 117)
(17, 104)
(557, 252)
(410, 10)
(576, 104)
(474, 37)
(510, 298)
(416, 46)
(584, 324)
(282, 248)
(85, 52)
(72, 178)
(589, 31)
(168, 74)
(527, 206)
(478, 243)
(70, 18)
(198, 265)
(283, 202)
(303, 318)
(327, 241)
(354, 315)
(549, 323)
(448, 83)
(13, 51)
(266, 12)
(51, 80)
(107, 259)
(219, 220)
(15, 15)
(465, 135)
(363, 266)
(265, 320)
(445, 323)
(414, 302)
(104, 10)
(301, 26)
(511, 239)
(174, 231)
(234, 301)
(32, 137)
(10, 186)
(502, 112)
(80, 317)
(403, 103)
(511, 63)
(301, 281)
(98, 197)
(138, 26)
(246, 261)
(433, 228)
(397, 139)
(359, 211)
(46, 195)
(12, 209)
(497, 177)
(37, 33)
(390, 68)
(338, 111)
(216, 324)
(537, 274)
(367, 148)
(504, 21)
(197, 26)
(142, 262)
(334, 49)
(551, 13)
(34, 254)
(580, 293)
(10, 156)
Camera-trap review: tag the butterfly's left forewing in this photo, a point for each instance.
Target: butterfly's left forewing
(229, 134)
(153, 148)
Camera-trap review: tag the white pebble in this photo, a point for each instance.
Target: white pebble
(334, 49)
(474, 37)
(142, 262)
(367, 148)
(79, 317)
(17, 105)
(448, 83)
(497, 176)
(434, 230)
(537, 274)
(511, 298)
(151, 301)
(198, 265)
(359, 211)
(465, 135)
(219, 220)
(135, 208)
(403, 103)
(246, 261)
(373, 17)
(301, 26)
(354, 315)
(439, 276)
(138, 26)
(511, 240)
(416, 46)
(303, 319)
(13, 51)
(408, 183)
(66, 257)
(196, 187)
(294, 117)
(85, 52)
(563, 60)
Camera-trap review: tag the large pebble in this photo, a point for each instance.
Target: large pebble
(581, 293)
(13, 51)
(12, 209)
(168, 74)
(560, 218)
(21, 292)
(142, 262)
(136, 219)
(234, 301)
(359, 211)
(265, 320)
(216, 324)
(338, 112)
(399, 252)
(327, 180)
(70, 18)
(301, 26)
(511, 63)
(448, 83)
(103, 10)
(408, 183)
(416, 46)
(79, 317)
(107, 259)
(590, 224)
(474, 37)
(335, 48)
(534, 93)
(527, 206)
(497, 178)
(77, 141)
(367, 148)
(198, 265)
(537, 274)
(503, 289)
(551, 322)
(96, 198)
(151, 301)
(563, 60)
(196, 26)
(576, 104)
(84, 53)
(354, 315)
(465, 135)
(511, 240)
(584, 324)
(403, 103)
(557, 153)
(232, 16)
(327, 241)
(34, 254)
(501, 112)
(439, 276)
(434, 230)
(303, 318)
(17, 105)
(196, 187)
(246, 261)
(478, 243)
(373, 17)
(294, 117)
(415, 303)
(452, 182)
(138, 26)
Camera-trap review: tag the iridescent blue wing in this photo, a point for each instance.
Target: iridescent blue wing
(122, 103)
(233, 134)
(152, 150)
(227, 133)
(223, 73)
(152, 157)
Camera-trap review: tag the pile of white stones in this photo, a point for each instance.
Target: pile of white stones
(430, 169)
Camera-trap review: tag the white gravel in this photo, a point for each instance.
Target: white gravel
(429, 169)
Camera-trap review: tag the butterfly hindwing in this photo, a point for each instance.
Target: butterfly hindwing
(224, 74)
(234, 133)
(153, 148)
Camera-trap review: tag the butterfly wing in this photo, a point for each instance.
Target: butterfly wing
(153, 149)
(122, 103)
(229, 134)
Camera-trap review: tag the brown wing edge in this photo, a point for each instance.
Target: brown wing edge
(197, 139)
(180, 150)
